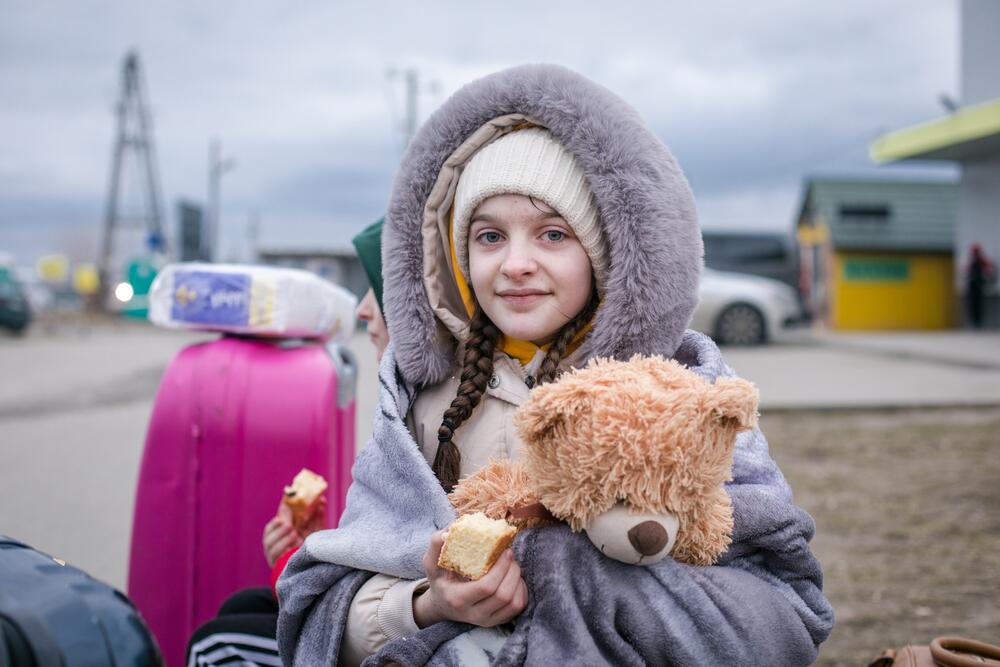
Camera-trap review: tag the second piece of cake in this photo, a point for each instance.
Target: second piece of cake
(303, 494)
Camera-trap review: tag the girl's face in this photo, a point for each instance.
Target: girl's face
(529, 272)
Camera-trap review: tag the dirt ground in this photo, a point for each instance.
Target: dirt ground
(907, 509)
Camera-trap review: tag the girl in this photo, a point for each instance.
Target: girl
(535, 224)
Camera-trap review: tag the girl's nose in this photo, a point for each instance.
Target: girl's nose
(519, 261)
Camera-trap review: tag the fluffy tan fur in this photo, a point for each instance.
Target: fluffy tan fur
(647, 432)
(495, 490)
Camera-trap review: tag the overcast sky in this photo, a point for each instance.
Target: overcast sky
(752, 97)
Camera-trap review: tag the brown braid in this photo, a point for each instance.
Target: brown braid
(477, 367)
(476, 370)
(549, 368)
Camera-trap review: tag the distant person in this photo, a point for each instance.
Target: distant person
(243, 632)
(369, 246)
(979, 276)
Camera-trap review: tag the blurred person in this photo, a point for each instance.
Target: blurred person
(979, 277)
(244, 631)
(369, 247)
(536, 223)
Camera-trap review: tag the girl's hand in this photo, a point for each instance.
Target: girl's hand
(496, 598)
(280, 535)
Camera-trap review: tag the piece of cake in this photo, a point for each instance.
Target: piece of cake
(303, 493)
(474, 543)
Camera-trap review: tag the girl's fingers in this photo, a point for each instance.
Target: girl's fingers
(473, 601)
(276, 522)
(461, 595)
(515, 607)
(504, 593)
(282, 529)
(286, 543)
(433, 553)
(269, 532)
(481, 590)
(278, 532)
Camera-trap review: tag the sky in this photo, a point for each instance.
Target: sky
(306, 99)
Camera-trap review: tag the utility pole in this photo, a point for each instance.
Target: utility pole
(253, 236)
(413, 88)
(217, 166)
(134, 133)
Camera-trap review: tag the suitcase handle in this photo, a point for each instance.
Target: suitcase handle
(347, 372)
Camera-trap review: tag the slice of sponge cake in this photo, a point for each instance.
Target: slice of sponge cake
(474, 543)
(302, 494)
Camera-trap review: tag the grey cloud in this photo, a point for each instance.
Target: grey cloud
(750, 96)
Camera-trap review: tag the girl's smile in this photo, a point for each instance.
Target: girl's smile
(522, 297)
(529, 272)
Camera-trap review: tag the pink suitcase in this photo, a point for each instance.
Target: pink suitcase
(234, 420)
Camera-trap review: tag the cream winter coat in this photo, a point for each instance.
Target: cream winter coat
(382, 609)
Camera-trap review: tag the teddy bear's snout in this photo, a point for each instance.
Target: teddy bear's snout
(637, 538)
(648, 537)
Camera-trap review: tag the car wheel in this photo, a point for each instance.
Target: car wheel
(740, 324)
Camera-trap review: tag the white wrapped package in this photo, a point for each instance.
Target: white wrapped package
(253, 300)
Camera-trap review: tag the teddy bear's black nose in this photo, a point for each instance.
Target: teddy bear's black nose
(648, 537)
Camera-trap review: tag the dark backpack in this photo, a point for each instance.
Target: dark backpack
(55, 615)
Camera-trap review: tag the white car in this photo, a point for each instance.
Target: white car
(742, 309)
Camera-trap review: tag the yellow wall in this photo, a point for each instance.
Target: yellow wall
(892, 291)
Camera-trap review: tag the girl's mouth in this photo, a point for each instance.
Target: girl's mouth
(524, 297)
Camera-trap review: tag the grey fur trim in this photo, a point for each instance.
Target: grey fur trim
(646, 207)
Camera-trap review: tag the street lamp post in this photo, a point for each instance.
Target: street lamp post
(217, 166)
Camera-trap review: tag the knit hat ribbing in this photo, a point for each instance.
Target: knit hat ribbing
(530, 162)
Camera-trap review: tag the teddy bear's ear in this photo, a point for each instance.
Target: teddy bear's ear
(733, 398)
(550, 405)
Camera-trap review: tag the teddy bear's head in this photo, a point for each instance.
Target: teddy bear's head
(636, 453)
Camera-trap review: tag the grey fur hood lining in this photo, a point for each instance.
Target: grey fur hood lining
(646, 208)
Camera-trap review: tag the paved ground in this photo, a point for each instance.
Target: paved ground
(74, 402)
(824, 370)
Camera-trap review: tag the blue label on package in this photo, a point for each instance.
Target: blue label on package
(203, 297)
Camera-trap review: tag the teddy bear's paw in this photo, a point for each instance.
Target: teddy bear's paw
(494, 490)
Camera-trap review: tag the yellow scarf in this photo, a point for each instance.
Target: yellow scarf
(522, 350)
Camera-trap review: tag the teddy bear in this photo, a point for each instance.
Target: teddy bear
(635, 453)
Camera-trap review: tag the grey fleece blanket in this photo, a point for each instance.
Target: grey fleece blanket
(762, 604)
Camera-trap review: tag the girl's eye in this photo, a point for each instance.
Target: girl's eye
(490, 237)
(554, 235)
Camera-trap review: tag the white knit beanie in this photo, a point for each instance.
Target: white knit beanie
(530, 162)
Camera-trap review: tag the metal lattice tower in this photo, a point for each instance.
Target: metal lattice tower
(134, 135)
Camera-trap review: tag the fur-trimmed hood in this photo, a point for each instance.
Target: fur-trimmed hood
(646, 209)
